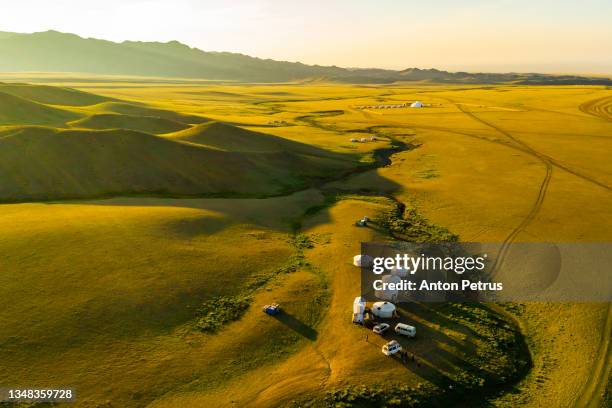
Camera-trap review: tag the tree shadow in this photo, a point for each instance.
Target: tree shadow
(434, 313)
(414, 313)
(438, 357)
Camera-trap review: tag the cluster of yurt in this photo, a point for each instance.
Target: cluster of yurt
(277, 123)
(384, 310)
(415, 104)
(364, 139)
(396, 106)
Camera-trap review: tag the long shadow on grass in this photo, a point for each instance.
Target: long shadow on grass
(435, 313)
(255, 209)
(297, 325)
(421, 313)
(215, 160)
(441, 357)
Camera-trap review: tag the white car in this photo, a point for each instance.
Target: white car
(380, 328)
(405, 329)
(391, 348)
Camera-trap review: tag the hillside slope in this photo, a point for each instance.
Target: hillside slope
(150, 124)
(52, 95)
(226, 137)
(140, 110)
(17, 110)
(39, 163)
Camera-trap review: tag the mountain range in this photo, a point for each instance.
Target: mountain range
(53, 51)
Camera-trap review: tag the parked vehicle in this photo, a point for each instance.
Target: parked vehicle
(272, 309)
(359, 306)
(405, 329)
(380, 328)
(391, 348)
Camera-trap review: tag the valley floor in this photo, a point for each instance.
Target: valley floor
(111, 288)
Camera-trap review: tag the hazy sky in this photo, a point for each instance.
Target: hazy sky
(519, 35)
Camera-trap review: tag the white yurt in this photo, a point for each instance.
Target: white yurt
(363, 260)
(416, 104)
(388, 294)
(385, 310)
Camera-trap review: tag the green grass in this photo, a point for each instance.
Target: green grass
(104, 312)
(150, 124)
(52, 95)
(408, 224)
(17, 110)
(135, 109)
(220, 310)
(88, 163)
(111, 289)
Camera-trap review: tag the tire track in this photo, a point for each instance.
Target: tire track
(537, 205)
(521, 147)
(600, 107)
(590, 394)
(543, 185)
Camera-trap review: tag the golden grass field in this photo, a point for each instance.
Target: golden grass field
(128, 204)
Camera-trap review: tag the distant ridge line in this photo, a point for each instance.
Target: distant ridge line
(53, 51)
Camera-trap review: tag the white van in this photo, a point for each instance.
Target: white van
(358, 309)
(405, 329)
(391, 348)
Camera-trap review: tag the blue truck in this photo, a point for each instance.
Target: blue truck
(272, 309)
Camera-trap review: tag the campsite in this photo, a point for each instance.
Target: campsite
(273, 217)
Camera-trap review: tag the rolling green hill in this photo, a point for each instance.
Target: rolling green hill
(226, 137)
(53, 95)
(140, 110)
(39, 163)
(150, 124)
(17, 110)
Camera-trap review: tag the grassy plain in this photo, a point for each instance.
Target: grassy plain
(102, 294)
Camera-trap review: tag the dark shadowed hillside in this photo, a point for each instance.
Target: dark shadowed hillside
(17, 110)
(47, 163)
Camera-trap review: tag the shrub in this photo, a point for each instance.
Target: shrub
(409, 225)
(220, 310)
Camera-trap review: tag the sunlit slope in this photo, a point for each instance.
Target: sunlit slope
(52, 94)
(235, 139)
(47, 163)
(17, 110)
(150, 124)
(142, 110)
(113, 291)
